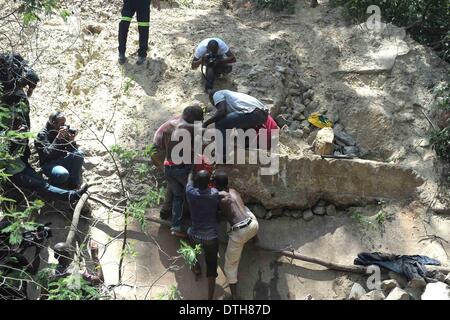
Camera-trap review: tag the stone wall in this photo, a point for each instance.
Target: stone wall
(300, 183)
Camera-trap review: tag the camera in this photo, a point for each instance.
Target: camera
(42, 232)
(211, 58)
(71, 131)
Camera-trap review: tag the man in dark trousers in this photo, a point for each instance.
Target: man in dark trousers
(142, 10)
(203, 204)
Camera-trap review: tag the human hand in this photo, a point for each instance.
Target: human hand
(63, 134)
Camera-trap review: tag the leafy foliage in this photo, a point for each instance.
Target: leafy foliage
(20, 222)
(189, 254)
(171, 294)
(428, 21)
(137, 209)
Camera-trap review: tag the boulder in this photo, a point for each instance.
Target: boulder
(277, 212)
(282, 120)
(319, 210)
(259, 211)
(357, 292)
(398, 294)
(331, 210)
(373, 295)
(308, 94)
(388, 285)
(323, 143)
(401, 280)
(308, 215)
(418, 283)
(296, 214)
(436, 291)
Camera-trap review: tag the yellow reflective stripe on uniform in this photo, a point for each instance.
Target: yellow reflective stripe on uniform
(143, 24)
(126, 19)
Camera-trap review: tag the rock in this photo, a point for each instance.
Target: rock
(320, 211)
(357, 292)
(296, 114)
(436, 291)
(401, 280)
(323, 143)
(321, 203)
(447, 279)
(282, 120)
(259, 211)
(331, 210)
(414, 293)
(418, 283)
(308, 215)
(268, 215)
(93, 29)
(298, 133)
(398, 294)
(388, 285)
(277, 212)
(373, 295)
(294, 126)
(296, 214)
(281, 69)
(306, 102)
(308, 95)
(300, 107)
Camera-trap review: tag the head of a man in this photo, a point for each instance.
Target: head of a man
(193, 113)
(211, 96)
(56, 120)
(221, 180)
(213, 47)
(202, 179)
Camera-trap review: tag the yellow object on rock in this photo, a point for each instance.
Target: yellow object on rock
(320, 121)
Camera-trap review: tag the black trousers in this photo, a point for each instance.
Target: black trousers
(212, 72)
(142, 10)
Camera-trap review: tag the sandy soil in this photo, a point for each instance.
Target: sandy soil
(375, 85)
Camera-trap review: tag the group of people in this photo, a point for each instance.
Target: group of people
(194, 190)
(59, 156)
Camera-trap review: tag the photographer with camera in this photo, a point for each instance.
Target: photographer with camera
(58, 152)
(216, 56)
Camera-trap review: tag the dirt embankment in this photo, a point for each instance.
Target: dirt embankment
(375, 86)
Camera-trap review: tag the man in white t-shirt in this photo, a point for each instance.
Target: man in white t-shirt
(215, 54)
(236, 110)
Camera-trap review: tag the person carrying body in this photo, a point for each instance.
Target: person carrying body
(203, 204)
(177, 172)
(243, 227)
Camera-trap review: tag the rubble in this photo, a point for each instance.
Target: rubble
(357, 292)
(398, 294)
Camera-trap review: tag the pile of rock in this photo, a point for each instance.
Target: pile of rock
(398, 288)
(320, 209)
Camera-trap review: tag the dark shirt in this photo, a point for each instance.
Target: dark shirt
(49, 148)
(15, 74)
(203, 205)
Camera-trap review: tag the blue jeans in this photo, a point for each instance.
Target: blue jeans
(239, 121)
(67, 169)
(177, 178)
(30, 180)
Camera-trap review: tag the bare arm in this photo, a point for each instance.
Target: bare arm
(221, 112)
(230, 58)
(196, 63)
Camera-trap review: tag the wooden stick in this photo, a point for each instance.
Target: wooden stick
(293, 255)
(76, 218)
